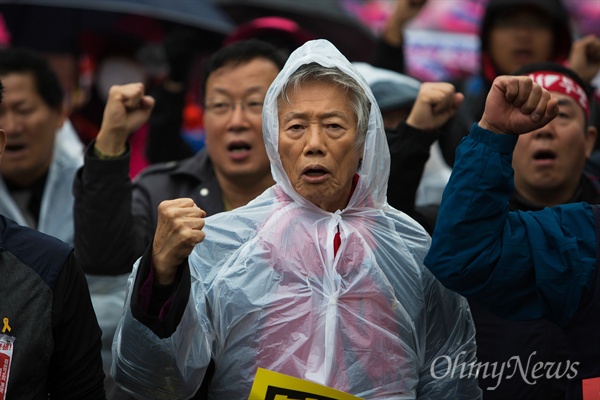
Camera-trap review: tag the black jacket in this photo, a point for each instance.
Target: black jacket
(46, 308)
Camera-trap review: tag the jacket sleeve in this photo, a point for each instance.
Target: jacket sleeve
(519, 265)
(409, 152)
(76, 363)
(388, 56)
(107, 239)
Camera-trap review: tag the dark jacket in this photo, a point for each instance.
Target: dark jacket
(409, 151)
(520, 265)
(115, 218)
(46, 308)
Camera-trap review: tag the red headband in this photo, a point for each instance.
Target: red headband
(557, 82)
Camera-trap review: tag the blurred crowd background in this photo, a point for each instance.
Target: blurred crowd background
(442, 41)
(96, 43)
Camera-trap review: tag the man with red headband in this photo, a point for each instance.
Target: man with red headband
(527, 266)
(548, 168)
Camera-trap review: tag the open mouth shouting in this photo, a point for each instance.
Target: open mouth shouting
(315, 174)
(14, 150)
(544, 157)
(239, 150)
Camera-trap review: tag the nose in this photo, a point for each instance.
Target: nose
(9, 122)
(238, 119)
(545, 132)
(315, 144)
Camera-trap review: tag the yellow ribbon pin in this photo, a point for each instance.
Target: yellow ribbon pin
(6, 326)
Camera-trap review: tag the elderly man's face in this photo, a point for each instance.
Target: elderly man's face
(317, 143)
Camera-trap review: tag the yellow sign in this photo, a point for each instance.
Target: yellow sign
(269, 385)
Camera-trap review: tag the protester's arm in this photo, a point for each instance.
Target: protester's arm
(75, 370)
(409, 151)
(389, 50)
(519, 265)
(104, 242)
(410, 143)
(584, 58)
(165, 142)
(105, 238)
(163, 345)
(159, 307)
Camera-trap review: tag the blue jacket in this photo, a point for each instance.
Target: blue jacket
(519, 265)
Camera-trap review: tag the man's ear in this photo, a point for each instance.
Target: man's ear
(590, 140)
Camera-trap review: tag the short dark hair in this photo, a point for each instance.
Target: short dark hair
(26, 61)
(239, 53)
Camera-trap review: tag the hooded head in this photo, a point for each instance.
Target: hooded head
(372, 167)
(518, 32)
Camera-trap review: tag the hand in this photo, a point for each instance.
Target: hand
(126, 109)
(436, 103)
(179, 229)
(404, 11)
(584, 58)
(517, 105)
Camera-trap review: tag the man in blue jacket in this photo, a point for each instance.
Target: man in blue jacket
(521, 265)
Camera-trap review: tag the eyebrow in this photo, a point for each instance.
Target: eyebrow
(249, 91)
(292, 115)
(563, 101)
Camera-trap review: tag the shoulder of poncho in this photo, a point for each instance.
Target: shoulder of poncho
(251, 216)
(410, 232)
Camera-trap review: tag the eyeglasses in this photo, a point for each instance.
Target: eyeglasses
(225, 107)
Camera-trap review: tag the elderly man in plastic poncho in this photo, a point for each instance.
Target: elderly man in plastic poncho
(318, 278)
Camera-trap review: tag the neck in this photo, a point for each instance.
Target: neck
(549, 198)
(24, 181)
(239, 193)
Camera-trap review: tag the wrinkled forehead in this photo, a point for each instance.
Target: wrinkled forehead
(20, 86)
(292, 87)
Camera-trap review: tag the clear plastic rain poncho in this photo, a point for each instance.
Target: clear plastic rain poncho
(267, 291)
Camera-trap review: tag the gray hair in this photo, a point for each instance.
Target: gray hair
(316, 72)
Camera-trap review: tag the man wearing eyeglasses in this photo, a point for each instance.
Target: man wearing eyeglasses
(115, 219)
